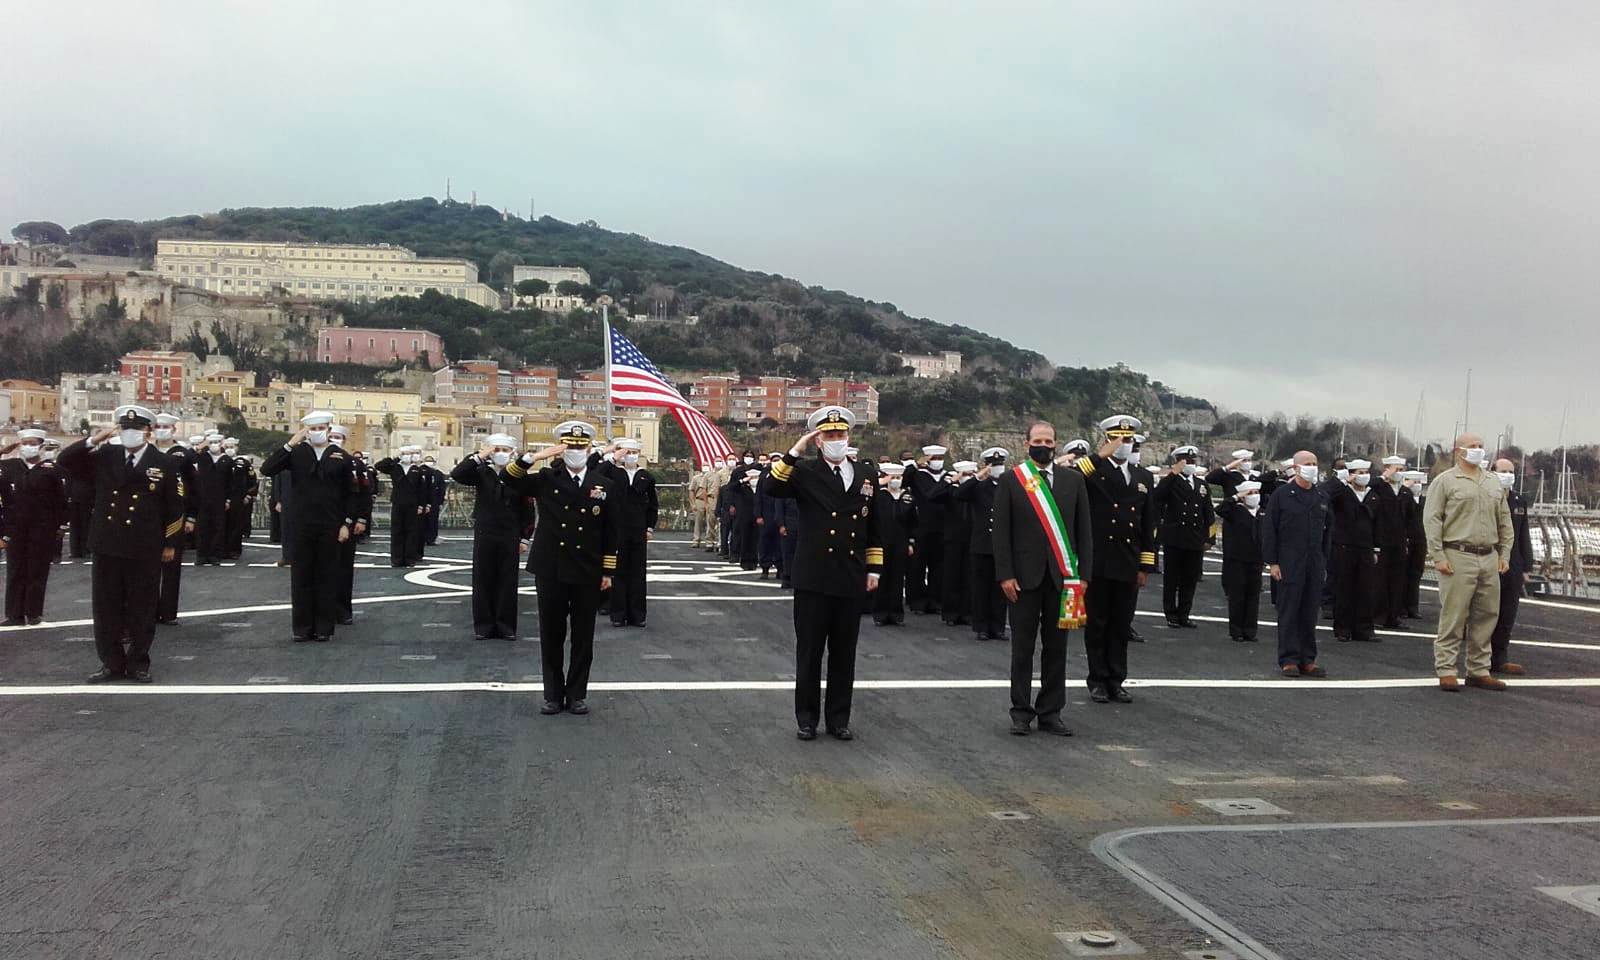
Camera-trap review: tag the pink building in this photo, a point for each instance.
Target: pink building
(376, 347)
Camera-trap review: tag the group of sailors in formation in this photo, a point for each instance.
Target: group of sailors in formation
(1023, 549)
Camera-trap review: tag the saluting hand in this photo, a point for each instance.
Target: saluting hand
(1109, 447)
(103, 436)
(298, 438)
(799, 448)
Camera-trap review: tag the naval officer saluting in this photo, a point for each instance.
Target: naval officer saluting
(320, 517)
(573, 559)
(838, 560)
(136, 526)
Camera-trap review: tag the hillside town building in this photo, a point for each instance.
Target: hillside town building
(318, 271)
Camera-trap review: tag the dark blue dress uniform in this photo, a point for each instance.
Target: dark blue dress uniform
(1512, 582)
(35, 511)
(575, 538)
(954, 590)
(438, 487)
(410, 491)
(1185, 515)
(172, 570)
(925, 573)
(322, 500)
(897, 522)
(743, 545)
(1241, 567)
(1124, 547)
(988, 604)
(138, 513)
(1389, 529)
(1353, 563)
(213, 475)
(1295, 535)
(639, 506)
(363, 491)
(501, 521)
(841, 542)
(243, 487)
(1416, 550)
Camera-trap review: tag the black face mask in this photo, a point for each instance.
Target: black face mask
(1041, 454)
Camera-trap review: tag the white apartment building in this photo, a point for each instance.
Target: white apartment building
(91, 397)
(932, 366)
(550, 275)
(317, 271)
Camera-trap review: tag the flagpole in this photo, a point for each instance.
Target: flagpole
(605, 329)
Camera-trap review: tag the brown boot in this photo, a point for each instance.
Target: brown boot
(1312, 670)
(1449, 684)
(1509, 669)
(1486, 682)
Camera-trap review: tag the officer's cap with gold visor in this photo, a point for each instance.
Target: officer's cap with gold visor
(575, 433)
(831, 418)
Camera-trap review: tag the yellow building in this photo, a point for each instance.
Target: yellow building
(32, 402)
(317, 271)
(227, 388)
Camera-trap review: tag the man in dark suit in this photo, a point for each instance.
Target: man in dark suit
(213, 473)
(501, 533)
(988, 604)
(1124, 553)
(837, 562)
(638, 508)
(573, 558)
(138, 521)
(410, 495)
(1042, 526)
(1295, 536)
(1183, 510)
(31, 525)
(1515, 577)
(1241, 559)
(322, 515)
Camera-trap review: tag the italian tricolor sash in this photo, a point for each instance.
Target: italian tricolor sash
(1073, 613)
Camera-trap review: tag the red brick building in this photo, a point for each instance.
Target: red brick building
(781, 399)
(161, 376)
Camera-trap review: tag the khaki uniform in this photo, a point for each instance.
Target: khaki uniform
(1467, 523)
(697, 507)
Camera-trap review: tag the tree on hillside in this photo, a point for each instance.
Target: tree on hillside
(39, 231)
(532, 287)
(572, 288)
(500, 269)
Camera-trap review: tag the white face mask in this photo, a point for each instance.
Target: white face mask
(630, 459)
(575, 458)
(1360, 479)
(30, 451)
(894, 483)
(500, 457)
(1252, 500)
(163, 434)
(1190, 469)
(749, 460)
(1135, 456)
(1245, 467)
(1475, 455)
(936, 465)
(1507, 480)
(997, 470)
(231, 451)
(732, 464)
(1122, 452)
(335, 438)
(132, 439)
(1342, 473)
(834, 450)
(316, 437)
(1308, 472)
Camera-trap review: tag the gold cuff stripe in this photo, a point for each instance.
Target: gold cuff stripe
(875, 556)
(174, 527)
(609, 562)
(515, 469)
(1148, 557)
(782, 471)
(1085, 465)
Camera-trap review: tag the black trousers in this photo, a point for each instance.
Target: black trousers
(988, 603)
(1034, 619)
(171, 580)
(1416, 562)
(1241, 583)
(275, 526)
(889, 600)
(745, 545)
(1390, 599)
(628, 583)
(792, 540)
(566, 608)
(405, 536)
(210, 533)
(771, 552)
(123, 599)
(314, 581)
(1178, 580)
(823, 622)
(1299, 602)
(345, 603)
(28, 571)
(1511, 585)
(1355, 589)
(928, 579)
(238, 524)
(495, 568)
(955, 595)
(79, 514)
(430, 526)
(1110, 606)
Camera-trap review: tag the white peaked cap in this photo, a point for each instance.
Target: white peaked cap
(1188, 450)
(30, 434)
(831, 418)
(134, 410)
(166, 420)
(994, 453)
(1076, 446)
(1121, 423)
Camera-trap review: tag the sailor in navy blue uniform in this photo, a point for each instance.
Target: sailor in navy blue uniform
(987, 602)
(31, 526)
(320, 518)
(1295, 537)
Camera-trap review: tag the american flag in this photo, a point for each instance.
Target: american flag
(635, 382)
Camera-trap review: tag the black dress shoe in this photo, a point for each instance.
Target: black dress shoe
(806, 733)
(481, 636)
(169, 622)
(1099, 695)
(1055, 728)
(1188, 624)
(323, 637)
(1020, 728)
(619, 623)
(141, 676)
(550, 708)
(843, 733)
(1174, 624)
(510, 637)
(1134, 636)
(639, 624)
(1121, 696)
(578, 707)
(1342, 637)
(345, 621)
(300, 639)
(13, 622)
(35, 621)
(104, 675)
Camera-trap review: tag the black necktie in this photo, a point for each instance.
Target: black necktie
(840, 474)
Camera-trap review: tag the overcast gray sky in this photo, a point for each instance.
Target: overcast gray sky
(1323, 208)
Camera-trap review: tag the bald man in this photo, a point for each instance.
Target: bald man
(1295, 537)
(1469, 538)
